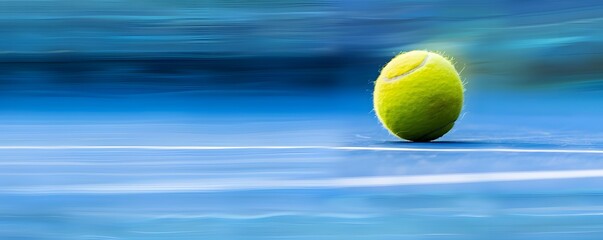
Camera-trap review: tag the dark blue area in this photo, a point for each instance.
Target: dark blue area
(132, 47)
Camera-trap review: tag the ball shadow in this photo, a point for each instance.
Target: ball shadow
(446, 142)
(474, 144)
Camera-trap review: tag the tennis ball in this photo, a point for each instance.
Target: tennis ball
(418, 96)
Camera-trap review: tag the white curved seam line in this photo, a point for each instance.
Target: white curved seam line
(396, 78)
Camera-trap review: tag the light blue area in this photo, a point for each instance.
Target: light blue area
(231, 194)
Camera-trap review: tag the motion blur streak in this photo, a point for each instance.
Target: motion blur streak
(101, 48)
(209, 185)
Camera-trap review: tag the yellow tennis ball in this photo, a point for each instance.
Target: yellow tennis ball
(418, 96)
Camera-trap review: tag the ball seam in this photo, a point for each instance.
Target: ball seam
(396, 78)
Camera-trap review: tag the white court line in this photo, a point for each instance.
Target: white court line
(234, 184)
(393, 149)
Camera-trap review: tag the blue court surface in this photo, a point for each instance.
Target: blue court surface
(528, 167)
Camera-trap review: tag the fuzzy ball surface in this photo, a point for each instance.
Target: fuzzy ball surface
(418, 96)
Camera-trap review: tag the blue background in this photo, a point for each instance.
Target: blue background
(85, 84)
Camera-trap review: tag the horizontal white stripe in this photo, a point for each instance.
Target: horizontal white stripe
(233, 184)
(395, 149)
